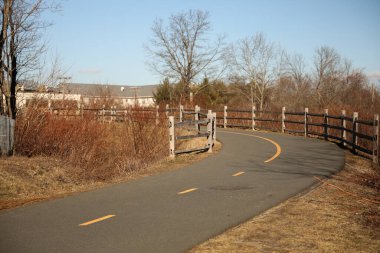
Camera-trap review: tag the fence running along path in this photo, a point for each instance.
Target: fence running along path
(348, 131)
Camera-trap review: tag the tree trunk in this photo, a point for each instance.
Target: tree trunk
(6, 11)
(12, 72)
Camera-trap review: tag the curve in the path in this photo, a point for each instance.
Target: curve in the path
(174, 211)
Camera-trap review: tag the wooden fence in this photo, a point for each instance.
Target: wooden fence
(359, 135)
(196, 120)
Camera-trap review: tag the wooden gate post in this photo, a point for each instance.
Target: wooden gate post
(196, 117)
(283, 120)
(325, 124)
(180, 113)
(225, 117)
(209, 131)
(344, 132)
(171, 137)
(354, 130)
(253, 117)
(375, 153)
(305, 120)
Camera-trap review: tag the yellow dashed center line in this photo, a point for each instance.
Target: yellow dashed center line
(96, 220)
(238, 174)
(278, 147)
(187, 191)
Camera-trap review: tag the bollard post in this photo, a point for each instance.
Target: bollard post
(171, 137)
(209, 131)
(375, 145)
(325, 124)
(283, 120)
(225, 117)
(253, 117)
(344, 132)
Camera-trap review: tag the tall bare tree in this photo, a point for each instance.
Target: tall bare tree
(20, 44)
(330, 74)
(181, 50)
(257, 61)
(296, 81)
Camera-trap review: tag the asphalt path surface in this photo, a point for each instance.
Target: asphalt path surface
(174, 211)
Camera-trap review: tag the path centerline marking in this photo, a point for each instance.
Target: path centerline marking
(278, 147)
(97, 220)
(187, 191)
(238, 174)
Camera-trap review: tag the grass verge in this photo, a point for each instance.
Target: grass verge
(341, 215)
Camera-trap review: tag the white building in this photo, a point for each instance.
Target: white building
(88, 95)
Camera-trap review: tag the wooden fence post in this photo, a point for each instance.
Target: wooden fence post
(50, 107)
(167, 110)
(103, 113)
(306, 126)
(214, 128)
(114, 113)
(354, 130)
(157, 114)
(225, 117)
(209, 131)
(344, 132)
(196, 117)
(325, 124)
(180, 113)
(375, 153)
(253, 117)
(283, 120)
(171, 137)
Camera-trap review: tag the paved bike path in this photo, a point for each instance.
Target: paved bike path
(150, 215)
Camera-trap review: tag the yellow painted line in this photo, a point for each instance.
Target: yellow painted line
(238, 174)
(187, 191)
(278, 147)
(97, 220)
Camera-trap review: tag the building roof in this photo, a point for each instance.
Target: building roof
(107, 90)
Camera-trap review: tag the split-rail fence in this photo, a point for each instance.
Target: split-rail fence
(359, 135)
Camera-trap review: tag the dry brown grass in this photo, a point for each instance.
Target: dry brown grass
(95, 150)
(326, 219)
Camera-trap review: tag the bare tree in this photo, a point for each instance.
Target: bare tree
(182, 50)
(21, 45)
(330, 74)
(294, 73)
(257, 60)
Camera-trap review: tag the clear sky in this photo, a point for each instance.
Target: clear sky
(101, 41)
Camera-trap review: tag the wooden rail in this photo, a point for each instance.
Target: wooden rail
(305, 123)
(210, 134)
(320, 122)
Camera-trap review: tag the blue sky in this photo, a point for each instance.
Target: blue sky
(102, 41)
